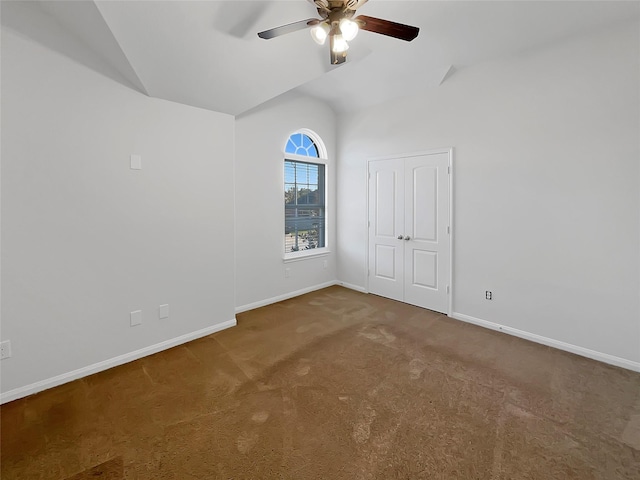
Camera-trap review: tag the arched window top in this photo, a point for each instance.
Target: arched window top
(306, 144)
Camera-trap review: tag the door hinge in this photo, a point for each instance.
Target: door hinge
(449, 230)
(447, 289)
(369, 223)
(449, 170)
(368, 273)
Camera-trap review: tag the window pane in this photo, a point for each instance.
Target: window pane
(304, 228)
(313, 175)
(289, 172)
(301, 144)
(312, 151)
(289, 194)
(304, 206)
(302, 175)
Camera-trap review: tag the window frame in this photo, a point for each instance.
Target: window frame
(314, 252)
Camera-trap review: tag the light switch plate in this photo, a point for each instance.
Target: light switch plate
(163, 311)
(136, 318)
(136, 162)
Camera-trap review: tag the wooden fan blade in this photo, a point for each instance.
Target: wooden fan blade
(291, 27)
(386, 27)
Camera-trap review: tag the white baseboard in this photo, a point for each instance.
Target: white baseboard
(351, 286)
(285, 296)
(112, 362)
(567, 347)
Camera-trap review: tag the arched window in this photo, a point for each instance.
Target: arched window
(304, 194)
(301, 144)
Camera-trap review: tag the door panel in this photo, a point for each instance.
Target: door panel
(386, 220)
(385, 262)
(387, 190)
(425, 269)
(424, 202)
(427, 213)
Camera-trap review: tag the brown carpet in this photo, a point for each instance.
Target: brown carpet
(111, 470)
(336, 385)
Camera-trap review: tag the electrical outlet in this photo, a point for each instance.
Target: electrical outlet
(5, 349)
(325, 264)
(136, 318)
(488, 295)
(135, 162)
(163, 311)
(287, 272)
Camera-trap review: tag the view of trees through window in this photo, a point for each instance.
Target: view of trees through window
(304, 202)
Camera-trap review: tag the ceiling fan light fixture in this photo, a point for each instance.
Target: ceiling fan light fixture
(319, 33)
(337, 22)
(340, 45)
(348, 28)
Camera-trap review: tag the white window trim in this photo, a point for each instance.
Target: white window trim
(306, 254)
(315, 252)
(322, 150)
(302, 158)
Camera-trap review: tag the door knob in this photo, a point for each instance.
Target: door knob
(400, 237)
(407, 237)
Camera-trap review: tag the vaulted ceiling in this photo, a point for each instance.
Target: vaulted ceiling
(207, 53)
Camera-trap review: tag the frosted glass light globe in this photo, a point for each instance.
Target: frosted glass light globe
(340, 45)
(349, 29)
(319, 33)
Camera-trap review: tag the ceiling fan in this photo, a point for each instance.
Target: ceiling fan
(338, 24)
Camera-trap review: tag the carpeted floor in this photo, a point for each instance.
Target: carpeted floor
(335, 385)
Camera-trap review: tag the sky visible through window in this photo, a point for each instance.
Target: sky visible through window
(300, 144)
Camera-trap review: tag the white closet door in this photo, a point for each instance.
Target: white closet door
(426, 252)
(386, 224)
(409, 247)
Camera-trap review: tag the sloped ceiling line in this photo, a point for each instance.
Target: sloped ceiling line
(131, 72)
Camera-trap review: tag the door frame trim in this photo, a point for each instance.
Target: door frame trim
(447, 150)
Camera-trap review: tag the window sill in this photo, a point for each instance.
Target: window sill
(306, 254)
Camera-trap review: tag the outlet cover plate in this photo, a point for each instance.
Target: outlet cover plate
(136, 162)
(136, 318)
(5, 349)
(163, 311)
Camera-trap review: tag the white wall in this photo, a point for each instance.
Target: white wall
(546, 188)
(86, 240)
(261, 135)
